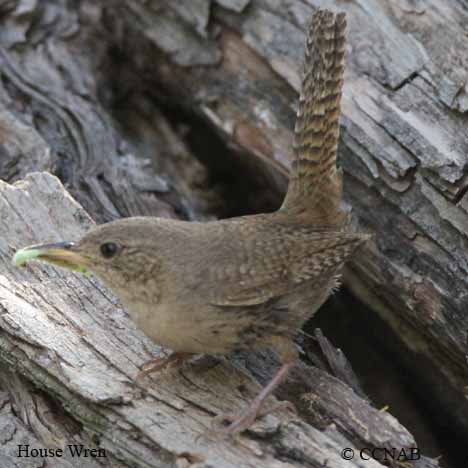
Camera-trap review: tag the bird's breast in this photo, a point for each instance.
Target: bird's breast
(188, 328)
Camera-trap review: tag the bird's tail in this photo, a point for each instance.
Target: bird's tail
(315, 187)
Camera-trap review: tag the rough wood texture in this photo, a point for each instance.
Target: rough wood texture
(404, 149)
(66, 334)
(88, 117)
(50, 91)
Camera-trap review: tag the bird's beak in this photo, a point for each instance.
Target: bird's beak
(62, 254)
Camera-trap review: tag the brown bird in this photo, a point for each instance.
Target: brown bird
(242, 283)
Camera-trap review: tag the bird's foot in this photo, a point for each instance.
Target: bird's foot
(161, 364)
(237, 424)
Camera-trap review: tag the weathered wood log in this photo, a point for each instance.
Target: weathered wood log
(78, 90)
(66, 334)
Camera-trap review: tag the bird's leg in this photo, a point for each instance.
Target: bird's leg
(247, 418)
(162, 363)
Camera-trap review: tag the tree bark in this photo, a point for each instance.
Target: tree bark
(67, 335)
(89, 92)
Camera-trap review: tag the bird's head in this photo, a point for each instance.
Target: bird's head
(117, 252)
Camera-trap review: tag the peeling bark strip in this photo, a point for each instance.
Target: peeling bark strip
(76, 93)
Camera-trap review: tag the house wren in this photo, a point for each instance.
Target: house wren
(242, 283)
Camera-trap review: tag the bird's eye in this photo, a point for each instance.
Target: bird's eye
(109, 249)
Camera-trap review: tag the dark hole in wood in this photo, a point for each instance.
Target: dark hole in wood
(390, 375)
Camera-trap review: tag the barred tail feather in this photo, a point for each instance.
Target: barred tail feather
(315, 186)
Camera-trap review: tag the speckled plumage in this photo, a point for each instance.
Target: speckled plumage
(247, 282)
(197, 287)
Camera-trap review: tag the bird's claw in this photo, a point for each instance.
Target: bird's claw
(237, 424)
(281, 405)
(219, 429)
(161, 364)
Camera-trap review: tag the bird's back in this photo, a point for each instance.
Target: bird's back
(230, 284)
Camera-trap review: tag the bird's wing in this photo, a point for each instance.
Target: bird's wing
(266, 275)
(315, 185)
